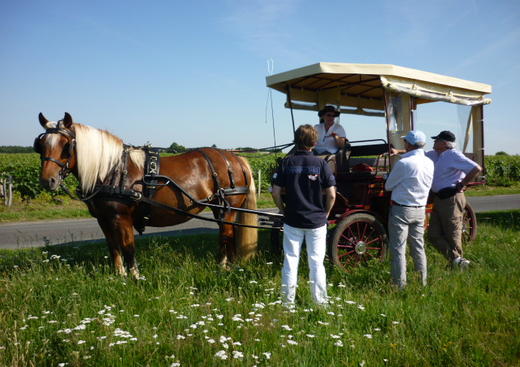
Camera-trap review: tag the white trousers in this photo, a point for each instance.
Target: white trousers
(406, 225)
(316, 243)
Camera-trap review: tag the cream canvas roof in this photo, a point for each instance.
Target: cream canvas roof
(363, 85)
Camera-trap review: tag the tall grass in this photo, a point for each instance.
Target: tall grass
(62, 306)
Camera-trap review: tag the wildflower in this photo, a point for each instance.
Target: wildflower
(323, 323)
(180, 337)
(350, 302)
(175, 364)
(333, 336)
(221, 354)
(81, 342)
(211, 341)
(286, 327)
(368, 336)
(338, 343)
(253, 282)
(293, 342)
(224, 339)
(377, 329)
(361, 307)
(237, 354)
(395, 322)
(269, 263)
(267, 355)
(237, 317)
(382, 314)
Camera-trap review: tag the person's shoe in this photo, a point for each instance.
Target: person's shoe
(461, 263)
(464, 263)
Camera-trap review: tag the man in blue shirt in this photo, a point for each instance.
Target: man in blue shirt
(305, 178)
(410, 182)
(453, 171)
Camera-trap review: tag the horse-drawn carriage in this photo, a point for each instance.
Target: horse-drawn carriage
(127, 187)
(359, 216)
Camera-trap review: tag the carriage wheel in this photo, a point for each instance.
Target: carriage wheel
(358, 238)
(469, 225)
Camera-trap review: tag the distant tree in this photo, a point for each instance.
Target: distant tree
(15, 149)
(214, 146)
(176, 148)
(501, 153)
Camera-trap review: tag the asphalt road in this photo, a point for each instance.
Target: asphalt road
(35, 234)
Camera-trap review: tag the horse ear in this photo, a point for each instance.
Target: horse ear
(43, 120)
(67, 120)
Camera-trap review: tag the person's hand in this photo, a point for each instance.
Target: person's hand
(393, 151)
(459, 186)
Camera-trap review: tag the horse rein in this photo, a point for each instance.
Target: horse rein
(71, 136)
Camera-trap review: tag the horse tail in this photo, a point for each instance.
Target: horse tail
(246, 238)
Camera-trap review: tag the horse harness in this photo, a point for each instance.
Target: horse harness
(116, 187)
(70, 135)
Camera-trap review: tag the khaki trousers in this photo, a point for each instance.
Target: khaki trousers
(445, 229)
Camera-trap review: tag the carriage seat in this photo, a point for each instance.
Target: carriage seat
(353, 160)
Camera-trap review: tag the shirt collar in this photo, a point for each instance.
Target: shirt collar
(303, 152)
(413, 152)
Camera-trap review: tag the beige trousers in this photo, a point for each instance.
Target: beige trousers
(445, 229)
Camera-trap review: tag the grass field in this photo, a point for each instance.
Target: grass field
(62, 306)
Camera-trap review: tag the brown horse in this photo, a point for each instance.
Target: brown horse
(111, 175)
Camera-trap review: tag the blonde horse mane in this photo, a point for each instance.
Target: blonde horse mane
(97, 153)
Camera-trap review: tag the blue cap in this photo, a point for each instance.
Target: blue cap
(415, 137)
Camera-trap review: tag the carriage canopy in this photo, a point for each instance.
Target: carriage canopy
(384, 90)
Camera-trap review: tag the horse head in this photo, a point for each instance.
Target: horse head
(56, 147)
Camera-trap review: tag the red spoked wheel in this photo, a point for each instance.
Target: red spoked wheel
(358, 238)
(469, 225)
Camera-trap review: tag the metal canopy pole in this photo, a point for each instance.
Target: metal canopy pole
(290, 106)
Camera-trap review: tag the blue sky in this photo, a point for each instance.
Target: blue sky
(194, 72)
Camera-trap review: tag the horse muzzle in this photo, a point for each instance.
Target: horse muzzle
(51, 183)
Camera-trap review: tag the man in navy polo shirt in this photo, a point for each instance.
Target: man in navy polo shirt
(305, 178)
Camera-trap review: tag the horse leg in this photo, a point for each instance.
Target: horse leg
(113, 246)
(124, 235)
(120, 237)
(227, 250)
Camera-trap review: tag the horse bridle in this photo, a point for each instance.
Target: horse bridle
(71, 136)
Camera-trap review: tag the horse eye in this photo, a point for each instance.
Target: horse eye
(66, 151)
